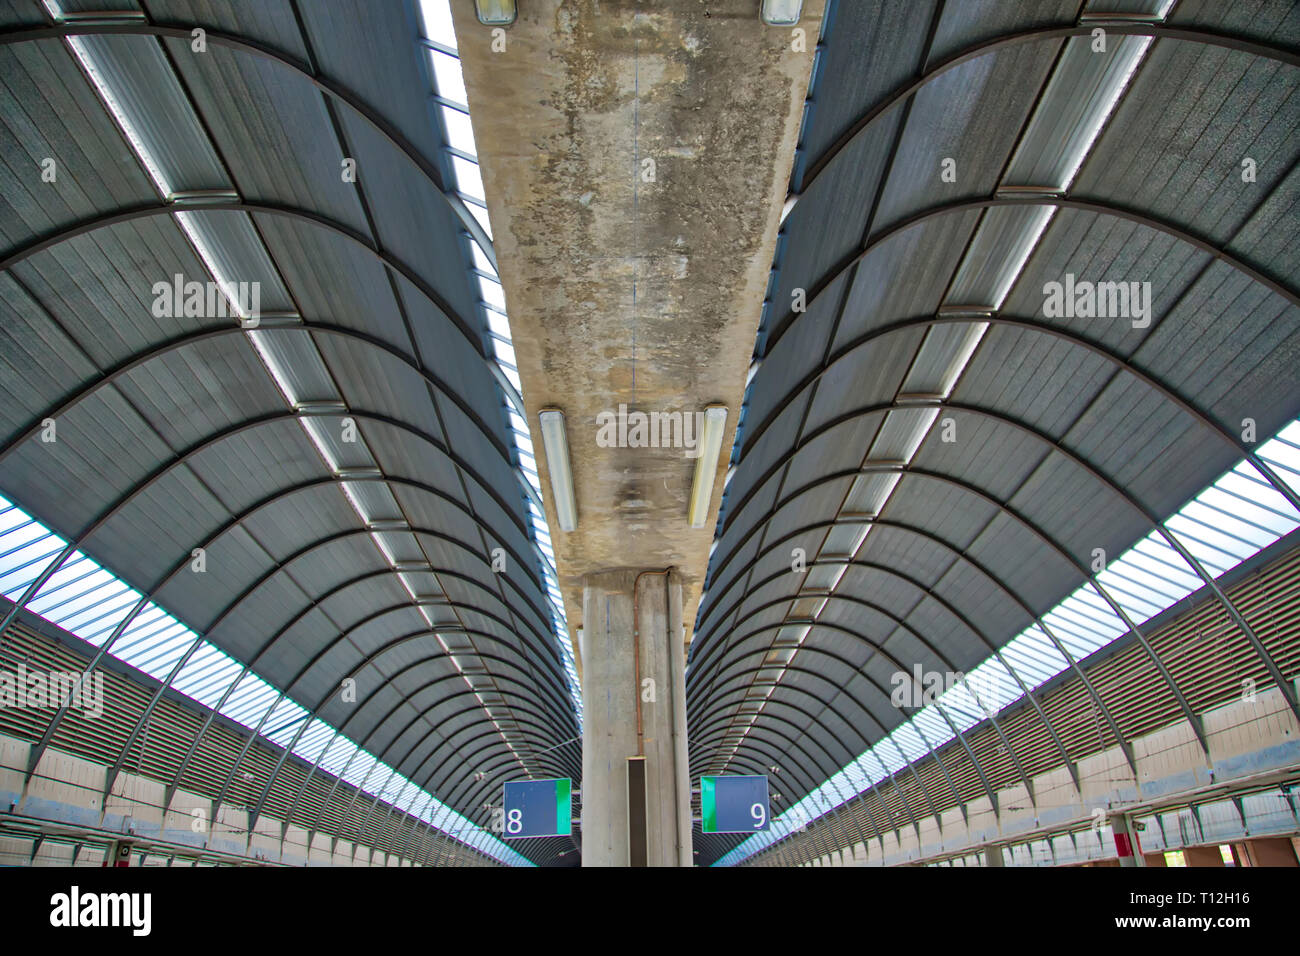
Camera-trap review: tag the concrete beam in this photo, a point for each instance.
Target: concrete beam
(635, 158)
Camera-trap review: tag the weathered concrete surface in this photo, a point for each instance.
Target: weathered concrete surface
(620, 289)
(627, 690)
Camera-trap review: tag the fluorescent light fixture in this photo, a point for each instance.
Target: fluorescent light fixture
(556, 442)
(496, 13)
(706, 466)
(412, 566)
(782, 13)
(198, 197)
(320, 408)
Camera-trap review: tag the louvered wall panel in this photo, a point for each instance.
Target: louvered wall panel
(159, 750)
(1204, 652)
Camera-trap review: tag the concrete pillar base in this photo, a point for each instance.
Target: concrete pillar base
(634, 717)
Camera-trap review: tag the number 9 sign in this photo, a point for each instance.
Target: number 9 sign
(734, 804)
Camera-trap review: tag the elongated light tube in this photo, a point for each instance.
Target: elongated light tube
(556, 442)
(782, 13)
(706, 466)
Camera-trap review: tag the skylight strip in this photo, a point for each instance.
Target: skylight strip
(449, 91)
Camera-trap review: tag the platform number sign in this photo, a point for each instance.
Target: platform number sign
(734, 804)
(538, 808)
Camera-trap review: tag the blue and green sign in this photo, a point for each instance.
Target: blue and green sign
(538, 808)
(734, 804)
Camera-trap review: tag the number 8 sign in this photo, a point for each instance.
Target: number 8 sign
(538, 808)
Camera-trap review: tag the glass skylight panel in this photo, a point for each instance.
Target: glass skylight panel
(27, 564)
(1070, 639)
(469, 180)
(74, 570)
(282, 723)
(901, 434)
(161, 655)
(206, 667)
(993, 685)
(234, 254)
(493, 295)
(438, 24)
(1082, 91)
(1158, 557)
(326, 433)
(483, 264)
(824, 577)
(337, 754)
(373, 500)
(1210, 549)
(479, 213)
(807, 607)
(909, 742)
(1035, 652)
(460, 133)
(143, 95)
(1145, 580)
(844, 540)
(105, 606)
(251, 698)
(960, 707)
(311, 747)
(299, 368)
(1232, 544)
(1089, 622)
(1234, 497)
(498, 324)
(13, 524)
(506, 355)
(943, 355)
(144, 633)
(1003, 242)
(447, 77)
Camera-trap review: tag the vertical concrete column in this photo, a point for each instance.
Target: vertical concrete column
(634, 706)
(1127, 845)
(993, 856)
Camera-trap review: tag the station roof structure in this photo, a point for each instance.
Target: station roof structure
(1027, 375)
